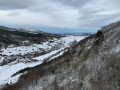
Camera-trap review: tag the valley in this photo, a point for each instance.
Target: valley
(14, 58)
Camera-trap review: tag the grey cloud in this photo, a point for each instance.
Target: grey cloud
(92, 18)
(14, 13)
(61, 12)
(16, 4)
(114, 3)
(73, 3)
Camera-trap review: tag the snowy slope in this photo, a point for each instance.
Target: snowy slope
(8, 70)
(64, 41)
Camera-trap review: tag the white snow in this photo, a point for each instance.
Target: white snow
(57, 55)
(65, 41)
(8, 70)
(116, 49)
(1, 59)
(42, 57)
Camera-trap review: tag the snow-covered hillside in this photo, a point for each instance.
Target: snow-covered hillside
(61, 43)
(53, 48)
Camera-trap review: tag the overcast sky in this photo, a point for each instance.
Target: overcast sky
(59, 15)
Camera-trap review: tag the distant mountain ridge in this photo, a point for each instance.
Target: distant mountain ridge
(17, 36)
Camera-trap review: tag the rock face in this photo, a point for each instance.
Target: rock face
(92, 64)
